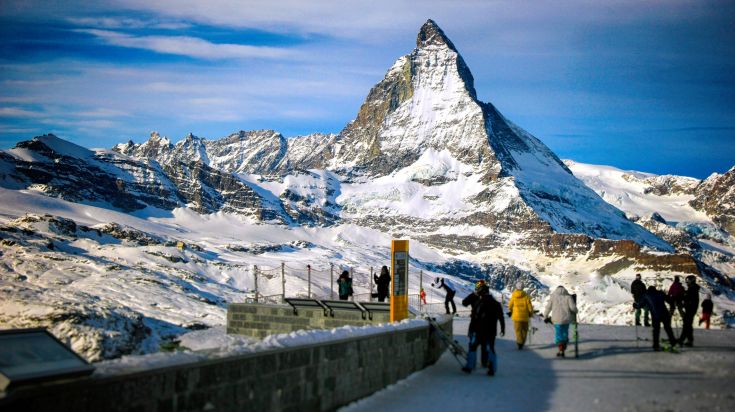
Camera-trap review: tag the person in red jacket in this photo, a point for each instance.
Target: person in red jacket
(676, 297)
(707, 307)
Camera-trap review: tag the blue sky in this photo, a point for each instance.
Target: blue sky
(644, 85)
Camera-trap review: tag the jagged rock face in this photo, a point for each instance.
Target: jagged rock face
(716, 197)
(682, 241)
(426, 101)
(77, 179)
(247, 152)
(208, 190)
(131, 183)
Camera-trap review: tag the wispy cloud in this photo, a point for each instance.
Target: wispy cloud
(102, 112)
(188, 46)
(17, 112)
(126, 23)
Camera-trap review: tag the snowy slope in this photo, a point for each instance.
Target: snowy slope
(634, 192)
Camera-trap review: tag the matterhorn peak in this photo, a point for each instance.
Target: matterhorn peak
(432, 34)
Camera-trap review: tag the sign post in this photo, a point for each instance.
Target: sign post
(399, 268)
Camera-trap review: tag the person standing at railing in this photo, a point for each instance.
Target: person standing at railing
(447, 285)
(383, 282)
(344, 283)
(422, 296)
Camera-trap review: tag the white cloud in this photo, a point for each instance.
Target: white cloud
(188, 46)
(126, 23)
(16, 112)
(102, 112)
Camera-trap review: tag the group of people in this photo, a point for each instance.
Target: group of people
(344, 284)
(486, 313)
(662, 307)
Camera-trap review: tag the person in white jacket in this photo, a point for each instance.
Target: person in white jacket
(563, 312)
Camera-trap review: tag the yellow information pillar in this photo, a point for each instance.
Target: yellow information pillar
(399, 268)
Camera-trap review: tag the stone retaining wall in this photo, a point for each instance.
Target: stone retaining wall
(259, 320)
(318, 377)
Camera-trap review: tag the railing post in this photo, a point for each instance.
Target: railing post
(308, 270)
(283, 282)
(352, 276)
(255, 281)
(331, 281)
(370, 299)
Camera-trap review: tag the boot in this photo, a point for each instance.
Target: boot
(471, 362)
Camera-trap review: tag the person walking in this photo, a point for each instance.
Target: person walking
(447, 285)
(676, 297)
(344, 283)
(655, 301)
(707, 307)
(638, 289)
(691, 304)
(473, 300)
(520, 310)
(383, 282)
(486, 313)
(563, 312)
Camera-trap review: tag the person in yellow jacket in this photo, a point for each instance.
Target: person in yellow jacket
(520, 310)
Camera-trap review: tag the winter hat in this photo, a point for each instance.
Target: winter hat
(519, 285)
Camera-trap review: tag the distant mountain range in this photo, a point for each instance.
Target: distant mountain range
(423, 159)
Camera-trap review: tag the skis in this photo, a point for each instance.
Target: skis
(459, 353)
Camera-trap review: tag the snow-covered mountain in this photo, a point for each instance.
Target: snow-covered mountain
(674, 208)
(424, 159)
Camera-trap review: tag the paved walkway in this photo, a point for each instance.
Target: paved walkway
(614, 372)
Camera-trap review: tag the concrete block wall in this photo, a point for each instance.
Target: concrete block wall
(318, 377)
(260, 320)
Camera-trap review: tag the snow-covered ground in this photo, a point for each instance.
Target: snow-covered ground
(614, 372)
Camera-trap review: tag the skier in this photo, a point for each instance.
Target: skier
(676, 297)
(563, 312)
(638, 289)
(691, 304)
(655, 301)
(520, 310)
(486, 313)
(422, 296)
(383, 283)
(344, 283)
(447, 285)
(707, 307)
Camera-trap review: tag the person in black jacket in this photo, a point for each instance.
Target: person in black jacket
(655, 301)
(473, 300)
(638, 289)
(691, 304)
(486, 314)
(383, 283)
